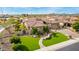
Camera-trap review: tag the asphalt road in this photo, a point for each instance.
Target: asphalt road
(73, 47)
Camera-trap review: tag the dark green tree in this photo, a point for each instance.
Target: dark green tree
(34, 31)
(45, 29)
(15, 40)
(20, 47)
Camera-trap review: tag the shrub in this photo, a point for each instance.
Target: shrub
(20, 47)
(76, 26)
(45, 29)
(34, 31)
(15, 40)
(54, 34)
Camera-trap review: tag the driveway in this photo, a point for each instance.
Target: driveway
(69, 32)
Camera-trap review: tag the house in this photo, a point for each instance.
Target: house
(33, 22)
(51, 22)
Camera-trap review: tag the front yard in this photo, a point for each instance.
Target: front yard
(30, 42)
(33, 43)
(54, 40)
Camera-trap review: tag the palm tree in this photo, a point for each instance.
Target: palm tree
(17, 25)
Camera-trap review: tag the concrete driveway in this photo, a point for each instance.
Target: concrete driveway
(69, 32)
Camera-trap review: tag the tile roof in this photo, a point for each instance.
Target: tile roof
(35, 23)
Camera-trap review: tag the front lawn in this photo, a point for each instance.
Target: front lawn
(30, 42)
(54, 40)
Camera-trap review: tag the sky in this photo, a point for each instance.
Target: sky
(39, 10)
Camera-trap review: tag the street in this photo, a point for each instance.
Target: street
(73, 47)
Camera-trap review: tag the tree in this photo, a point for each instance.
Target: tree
(20, 28)
(17, 25)
(20, 47)
(34, 31)
(54, 34)
(76, 26)
(15, 40)
(23, 28)
(45, 29)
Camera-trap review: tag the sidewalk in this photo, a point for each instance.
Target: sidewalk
(59, 45)
(40, 43)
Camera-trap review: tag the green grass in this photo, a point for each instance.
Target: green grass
(54, 40)
(30, 42)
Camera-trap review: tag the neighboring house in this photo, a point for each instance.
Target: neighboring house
(52, 23)
(57, 22)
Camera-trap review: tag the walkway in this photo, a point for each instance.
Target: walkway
(59, 45)
(40, 43)
(43, 38)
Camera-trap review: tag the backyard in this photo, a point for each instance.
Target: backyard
(55, 39)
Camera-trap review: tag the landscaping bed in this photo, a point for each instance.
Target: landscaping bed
(55, 39)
